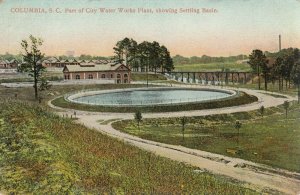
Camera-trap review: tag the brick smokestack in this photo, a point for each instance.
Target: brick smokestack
(279, 42)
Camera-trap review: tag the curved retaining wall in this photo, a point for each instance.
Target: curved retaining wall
(71, 97)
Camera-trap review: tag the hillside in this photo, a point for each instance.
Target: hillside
(44, 153)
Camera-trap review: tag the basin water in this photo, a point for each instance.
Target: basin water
(146, 96)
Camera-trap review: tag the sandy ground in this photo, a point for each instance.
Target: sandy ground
(256, 176)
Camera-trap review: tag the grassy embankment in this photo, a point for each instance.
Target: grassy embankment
(271, 140)
(23, 77)
(241, 99)
(42, 153)
(57, 76)
(232, 66)
(292, 90)
(26, 93)
(143, 77)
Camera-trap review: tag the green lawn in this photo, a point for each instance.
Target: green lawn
(232, 66)
(42, 153)
(271, 88)
(143, 77)
(26, 93)
(51, 76)
(272, 140)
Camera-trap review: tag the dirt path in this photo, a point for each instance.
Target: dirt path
(257, 176)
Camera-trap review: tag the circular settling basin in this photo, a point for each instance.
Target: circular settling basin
(149, 97)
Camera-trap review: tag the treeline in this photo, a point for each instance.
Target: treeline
(180, 60)
(283, 66)
(145, 56)
(8, 56)
(83, 57)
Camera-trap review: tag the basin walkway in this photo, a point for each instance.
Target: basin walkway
(256, 176)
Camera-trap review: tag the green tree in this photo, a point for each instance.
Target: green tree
(166, 59)
(278, 71)
(291, 56)
(138, 117)
(125, 51)
(237, 126)
(32, 57)
(262, 111)
(296, 78)
(183, 121)
(258, 62)
(144, 54)
(286, 106)
(155, 56)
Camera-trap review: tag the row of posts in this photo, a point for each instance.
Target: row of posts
(215, 75)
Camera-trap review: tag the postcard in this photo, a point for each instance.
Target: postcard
(149, 97)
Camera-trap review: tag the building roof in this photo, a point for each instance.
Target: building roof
(53, 59)
(64, 61)
(13, 61)
(72, 60)
(92, 67)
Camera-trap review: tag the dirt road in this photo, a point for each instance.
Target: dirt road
(256, 176)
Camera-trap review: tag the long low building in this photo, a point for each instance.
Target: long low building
(113, 71)
(54, 62)
(8, 64)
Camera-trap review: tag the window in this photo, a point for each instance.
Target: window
(90, 76)
(77, 77)
(111, 76)
(118, 76)
(125, 80)
(103, 76)
(125, 76)
(67, 77)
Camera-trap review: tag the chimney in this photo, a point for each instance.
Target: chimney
(279, 42)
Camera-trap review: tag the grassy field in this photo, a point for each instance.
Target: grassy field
(26, 94)
(271, 88)
(232, 66)
(42, 153)
(271, 140)
(143, 77)
(23, 77)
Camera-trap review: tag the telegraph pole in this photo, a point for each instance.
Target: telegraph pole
(147, 72)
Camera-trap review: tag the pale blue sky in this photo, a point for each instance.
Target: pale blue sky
(238, 27)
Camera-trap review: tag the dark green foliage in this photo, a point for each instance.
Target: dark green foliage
(284, 67)
(146, 55)
(138, 117)
(32, 57)
(296, 78)
(258, 62)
